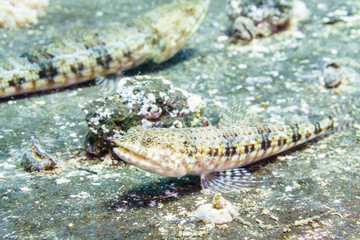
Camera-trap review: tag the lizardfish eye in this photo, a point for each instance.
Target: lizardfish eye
(148, 140)
(189, 10)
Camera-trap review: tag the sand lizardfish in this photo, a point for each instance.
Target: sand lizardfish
(156, 35)
(217, 153)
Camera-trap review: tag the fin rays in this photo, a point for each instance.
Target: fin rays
(343, 115)
(227, 181)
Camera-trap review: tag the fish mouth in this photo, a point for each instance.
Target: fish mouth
(148, 164)
(127, 155)
(136, 159)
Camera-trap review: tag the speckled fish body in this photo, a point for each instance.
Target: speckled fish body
(218, 153)
(203, 150)
(156, 35)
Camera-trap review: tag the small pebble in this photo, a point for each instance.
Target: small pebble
(334, 75)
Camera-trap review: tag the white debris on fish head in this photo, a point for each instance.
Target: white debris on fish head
(155, 150)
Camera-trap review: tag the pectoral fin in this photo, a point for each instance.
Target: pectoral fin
(227, 181)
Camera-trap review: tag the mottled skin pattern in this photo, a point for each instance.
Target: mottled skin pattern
(156, 35)
(199, 151)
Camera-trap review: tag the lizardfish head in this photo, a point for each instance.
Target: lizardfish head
(157, 150)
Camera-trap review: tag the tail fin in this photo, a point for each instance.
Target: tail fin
(344, 115)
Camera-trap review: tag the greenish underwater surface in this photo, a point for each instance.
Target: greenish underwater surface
(311, 192)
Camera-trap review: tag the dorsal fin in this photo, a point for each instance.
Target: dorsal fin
(345, 116)
(236, 116)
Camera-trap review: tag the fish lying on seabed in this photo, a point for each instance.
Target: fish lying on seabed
(217, 153)
(156, 35)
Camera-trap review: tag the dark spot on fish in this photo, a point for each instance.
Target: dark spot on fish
(268, 130)
(155, 41)
(252, 147)
(227, 152)
(104, 61)
(230, 151)
(78, 69)
(210, 152)
(246, 149)
(265, 144)
(37, 57)
(281, 142)
(48, 71)
(216, 152)
(268, 144)
(235, 134)
(195, 149)
(128, 54)
(73, 69)
(296, 136)
(16, 82)
(22, 80)
(233, 150)
(13, 83)
(260, 130)
(317, 128)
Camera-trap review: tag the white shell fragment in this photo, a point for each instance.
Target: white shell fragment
(220, 211)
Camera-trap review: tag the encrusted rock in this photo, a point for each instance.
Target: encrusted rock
(259, 18)
(36, 159)
(140, 101)
(220, 211)
(18, 13)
